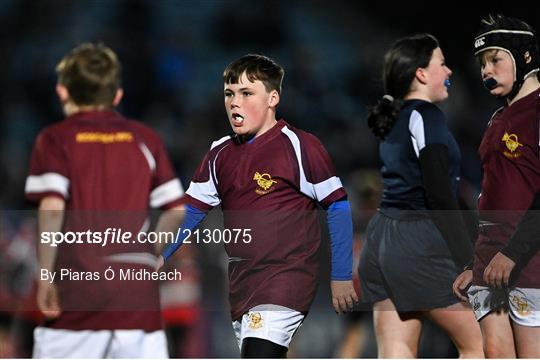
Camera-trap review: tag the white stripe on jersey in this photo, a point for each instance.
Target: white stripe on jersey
(220, 141)
(53, 182)
(205, 191)
(326, 187)
(149, 157)
(166, 193)
(416, 127)
(317, 191)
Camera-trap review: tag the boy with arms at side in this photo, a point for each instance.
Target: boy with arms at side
(508, 307)
(97, 170)
(268, 178)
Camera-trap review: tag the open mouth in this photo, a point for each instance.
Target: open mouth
(237, 119)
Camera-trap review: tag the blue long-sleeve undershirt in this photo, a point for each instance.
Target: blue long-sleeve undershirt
(192, 219)
(340, 229)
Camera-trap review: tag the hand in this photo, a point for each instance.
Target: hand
(461, 283)
(47, 300)
(159, 263)
(344, 296)
(498, 271)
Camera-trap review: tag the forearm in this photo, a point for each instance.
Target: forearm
(193, 217)
(340, 230)
(168, 222)
(50, 219)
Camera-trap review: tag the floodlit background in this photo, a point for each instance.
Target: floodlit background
(173, 54)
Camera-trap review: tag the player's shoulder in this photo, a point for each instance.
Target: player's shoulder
(429, 110)
(54, 131)
(220, 143)
(295, 134)
(497, 112)
(142, 131)
(426, 116)
(217, 146)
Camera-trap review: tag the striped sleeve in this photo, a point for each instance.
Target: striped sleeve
(202, 192)
(167, 190)
(48, 174)
(316, 172)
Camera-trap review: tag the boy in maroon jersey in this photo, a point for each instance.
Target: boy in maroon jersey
(97, 170)
(505, 291)
(268, 178)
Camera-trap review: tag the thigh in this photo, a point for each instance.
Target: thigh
(490, 308)
(396, 337)
(61, 343)
(497, 335)
(459, 322)
(260, 348)
(277, 325)
(527, 340)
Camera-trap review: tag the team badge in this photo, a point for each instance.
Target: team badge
(522, 305)
(512, 144)
(265, 183)
(255, 320)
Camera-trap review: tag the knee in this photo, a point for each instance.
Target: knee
(494, 348)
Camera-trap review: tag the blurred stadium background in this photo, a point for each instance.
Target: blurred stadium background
(173, 54)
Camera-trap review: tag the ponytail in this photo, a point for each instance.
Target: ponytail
(383, 115)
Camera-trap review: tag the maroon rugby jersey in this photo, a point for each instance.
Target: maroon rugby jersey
(110, 171)
(271, 187)
(510, 155)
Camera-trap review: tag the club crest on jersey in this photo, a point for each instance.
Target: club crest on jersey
(255, 320)
(512, 144)
(265, 183)
(522, 305)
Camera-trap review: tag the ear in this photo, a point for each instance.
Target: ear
(63, 93)
(273, 100)
(118, 97)
(421, 76)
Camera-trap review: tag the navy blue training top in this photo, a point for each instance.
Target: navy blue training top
(420, 123)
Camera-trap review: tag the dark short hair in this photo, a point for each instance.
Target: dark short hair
(91, 73)
(256, 67)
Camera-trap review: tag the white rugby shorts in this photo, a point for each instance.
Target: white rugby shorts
(523, 304)
(274, 323)
(61, 343)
